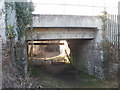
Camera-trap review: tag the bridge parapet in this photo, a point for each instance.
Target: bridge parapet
(66, 21)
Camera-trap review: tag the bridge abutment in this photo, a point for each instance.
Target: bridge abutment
(87, 56)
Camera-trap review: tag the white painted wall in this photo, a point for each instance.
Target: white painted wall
(75, 7)
(2, 21)
(11, 19)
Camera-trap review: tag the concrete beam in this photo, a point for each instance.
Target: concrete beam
(61, 33)
(45, 43)
(66, 21)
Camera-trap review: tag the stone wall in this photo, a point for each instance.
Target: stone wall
(88, 54)
(87, 57)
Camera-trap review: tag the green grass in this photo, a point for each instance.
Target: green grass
(34, 72)
(86, 76)
(91, 81)
(46, 80)
(94, 84)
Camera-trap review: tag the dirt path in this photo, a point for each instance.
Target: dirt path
(67, 78)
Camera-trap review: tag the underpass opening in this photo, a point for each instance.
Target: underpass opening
(47, 57)
(56, 55)
(47, 52)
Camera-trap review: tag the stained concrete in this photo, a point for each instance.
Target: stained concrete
(61, 33)
(87, 57)
(66, 21)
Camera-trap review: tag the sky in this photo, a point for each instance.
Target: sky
(75, 7)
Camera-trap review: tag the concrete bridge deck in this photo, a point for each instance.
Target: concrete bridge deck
(66, 21)
(64, 27)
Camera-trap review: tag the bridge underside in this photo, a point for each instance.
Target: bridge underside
(85, 47)
(61, 33)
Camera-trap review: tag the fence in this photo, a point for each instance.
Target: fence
(112, 29)
(112, 46)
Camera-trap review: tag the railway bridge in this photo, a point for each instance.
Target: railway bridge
(83, 34)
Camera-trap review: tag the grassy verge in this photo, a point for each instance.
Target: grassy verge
(70, 78)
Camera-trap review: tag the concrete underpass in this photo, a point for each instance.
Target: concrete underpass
(58, 51)
(82, 33)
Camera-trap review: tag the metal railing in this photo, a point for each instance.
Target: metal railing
(112, 29)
